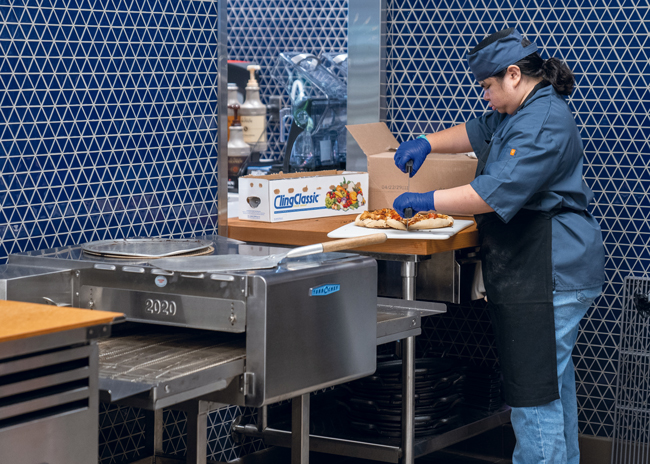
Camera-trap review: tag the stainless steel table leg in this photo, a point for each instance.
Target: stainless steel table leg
(197, 431)
(262, 418)
(158, 427)
(300, 429)
(409, 273)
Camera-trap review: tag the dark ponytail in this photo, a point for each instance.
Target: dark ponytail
(553, 71)
(559, 75)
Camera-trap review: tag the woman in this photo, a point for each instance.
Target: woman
(542, 251)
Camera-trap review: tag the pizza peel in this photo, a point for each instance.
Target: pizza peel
(220, 263)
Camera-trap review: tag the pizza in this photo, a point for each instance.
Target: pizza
(387, 218)
(384, 218)
(429, 220)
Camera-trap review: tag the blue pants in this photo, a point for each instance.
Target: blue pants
(548, 434)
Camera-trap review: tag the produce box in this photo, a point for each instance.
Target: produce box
(387, 182)
(302, 195)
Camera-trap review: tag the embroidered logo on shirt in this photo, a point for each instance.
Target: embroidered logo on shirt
(512, 152)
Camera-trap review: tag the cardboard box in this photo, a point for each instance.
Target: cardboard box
(387, 182)
(302, 195)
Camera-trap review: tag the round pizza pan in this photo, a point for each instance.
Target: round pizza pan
(146, 247)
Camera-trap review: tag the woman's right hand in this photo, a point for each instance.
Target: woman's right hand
(416, 150)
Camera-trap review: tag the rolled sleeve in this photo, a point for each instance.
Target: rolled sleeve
(509, 182)
(480, 131)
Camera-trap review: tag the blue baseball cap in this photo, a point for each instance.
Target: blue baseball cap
(496, 52)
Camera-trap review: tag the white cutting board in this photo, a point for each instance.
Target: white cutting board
(351, 231)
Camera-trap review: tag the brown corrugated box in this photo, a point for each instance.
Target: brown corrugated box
(386, 182)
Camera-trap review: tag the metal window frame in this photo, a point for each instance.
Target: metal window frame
(222, 118)
(366, 71)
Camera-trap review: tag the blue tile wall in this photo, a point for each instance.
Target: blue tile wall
(259, 30)
(108, 130)
(108, 114)
(220, 445)
(122, 433)
(430, 88)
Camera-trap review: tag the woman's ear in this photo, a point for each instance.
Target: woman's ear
(514, 74)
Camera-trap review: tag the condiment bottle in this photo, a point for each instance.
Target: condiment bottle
(238, 150)
(233, 100)
(253, 114)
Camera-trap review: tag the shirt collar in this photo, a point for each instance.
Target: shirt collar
(530, 95)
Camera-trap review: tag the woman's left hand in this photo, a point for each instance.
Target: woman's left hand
(417, 201)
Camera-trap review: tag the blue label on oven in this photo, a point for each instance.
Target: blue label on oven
(324, 290)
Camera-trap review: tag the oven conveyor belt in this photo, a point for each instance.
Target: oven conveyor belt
(168, 365)
(153, 366)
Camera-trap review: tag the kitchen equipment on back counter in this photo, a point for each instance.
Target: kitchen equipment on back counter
(238, 150)
(317, 138)
(253, 114)
(336, 64)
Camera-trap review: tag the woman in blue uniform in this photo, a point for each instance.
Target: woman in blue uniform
(542, 251)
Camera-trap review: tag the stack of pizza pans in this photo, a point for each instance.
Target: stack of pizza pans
(481, 388)
(375, 403)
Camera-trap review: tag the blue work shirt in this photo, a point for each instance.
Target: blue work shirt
(533, 160)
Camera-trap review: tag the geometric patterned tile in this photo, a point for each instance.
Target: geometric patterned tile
(121, 434)
(174, 432)
(429, 87)
(464, 332)
(220, 446)
(108, 117)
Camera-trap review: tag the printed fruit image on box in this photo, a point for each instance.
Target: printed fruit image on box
(345, 196)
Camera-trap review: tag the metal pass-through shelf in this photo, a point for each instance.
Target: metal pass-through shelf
(162, 367)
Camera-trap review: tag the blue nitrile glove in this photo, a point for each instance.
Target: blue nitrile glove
(416, 150)
(417, 201)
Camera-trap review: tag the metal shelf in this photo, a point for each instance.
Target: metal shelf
(331, 433)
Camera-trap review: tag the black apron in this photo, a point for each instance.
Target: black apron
(518, 275)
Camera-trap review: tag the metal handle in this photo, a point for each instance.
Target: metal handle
(409, 167)
(408, 212)
(50, 301)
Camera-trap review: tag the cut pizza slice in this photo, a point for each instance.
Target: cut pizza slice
(384, 218)
(430, 220)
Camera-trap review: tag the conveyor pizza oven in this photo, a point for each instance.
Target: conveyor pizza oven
(307, 324)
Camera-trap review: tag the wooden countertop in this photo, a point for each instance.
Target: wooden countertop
(23, 320)
(309, 231)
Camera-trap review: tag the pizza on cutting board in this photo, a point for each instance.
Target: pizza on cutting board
(384, 218)
(429, 220)
(387, 218)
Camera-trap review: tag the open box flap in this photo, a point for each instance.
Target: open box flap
(373, 138)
